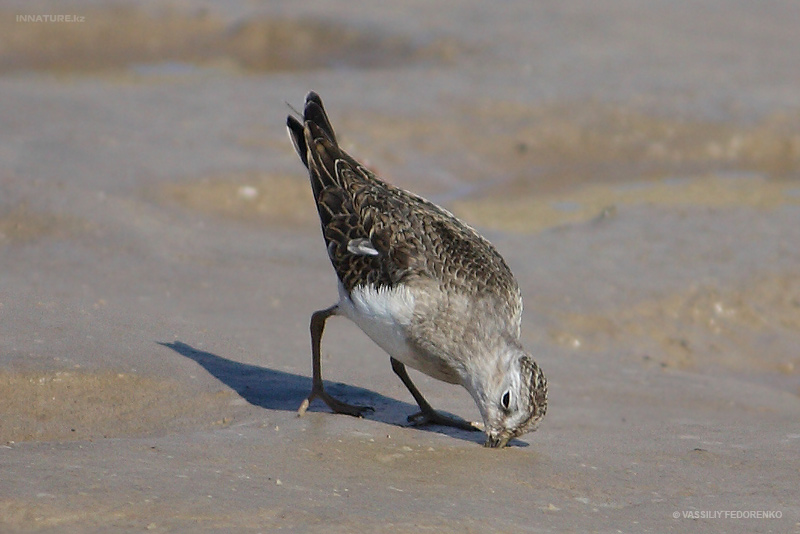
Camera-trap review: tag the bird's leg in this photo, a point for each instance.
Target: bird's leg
(427, 415)
(318, 319)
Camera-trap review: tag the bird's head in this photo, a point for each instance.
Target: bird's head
(512, 397)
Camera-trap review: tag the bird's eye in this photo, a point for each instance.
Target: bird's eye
(505, 401)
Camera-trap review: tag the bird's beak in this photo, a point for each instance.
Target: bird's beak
(496, 442)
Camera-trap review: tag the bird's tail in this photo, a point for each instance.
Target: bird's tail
(315, 142)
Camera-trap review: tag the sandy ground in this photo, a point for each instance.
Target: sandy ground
(637, 163)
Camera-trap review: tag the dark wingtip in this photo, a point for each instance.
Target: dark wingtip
(315, 112)
(294, 125)
(313, 96)
(297, 136)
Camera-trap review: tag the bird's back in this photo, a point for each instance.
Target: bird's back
(382, 236)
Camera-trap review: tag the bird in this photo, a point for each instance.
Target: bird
(429, 290)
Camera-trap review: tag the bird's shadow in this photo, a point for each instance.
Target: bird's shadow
(279, 390)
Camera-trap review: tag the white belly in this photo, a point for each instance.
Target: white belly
(385, 316)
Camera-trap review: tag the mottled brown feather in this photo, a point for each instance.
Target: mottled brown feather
(416, 240)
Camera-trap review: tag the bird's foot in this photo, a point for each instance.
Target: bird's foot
(432, 417)
(334, 404)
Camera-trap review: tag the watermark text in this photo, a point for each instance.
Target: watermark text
(50, 18)
(727, 514)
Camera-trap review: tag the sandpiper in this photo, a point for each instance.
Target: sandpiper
(424, 286)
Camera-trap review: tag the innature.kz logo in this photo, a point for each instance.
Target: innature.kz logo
(51, 18)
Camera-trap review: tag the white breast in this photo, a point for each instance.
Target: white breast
(383, 314)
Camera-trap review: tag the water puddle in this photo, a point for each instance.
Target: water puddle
(530, 213)
(170, 42)
(22, 225)
(750, 329)
(255, 197)
(79, 405)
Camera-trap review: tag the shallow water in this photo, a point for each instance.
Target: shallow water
(160, 257)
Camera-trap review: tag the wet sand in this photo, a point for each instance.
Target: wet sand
(160, 258)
